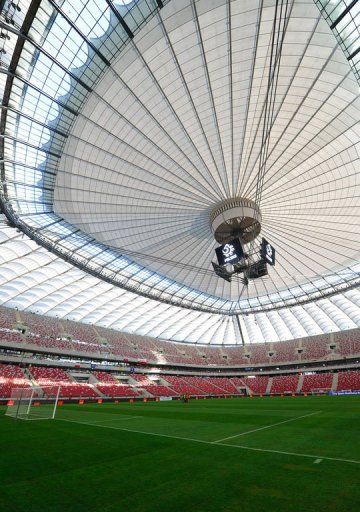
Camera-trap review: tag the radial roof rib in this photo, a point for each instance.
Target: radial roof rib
(125, 123)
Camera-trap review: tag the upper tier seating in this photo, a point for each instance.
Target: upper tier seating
(7, 318)
(73, 337)
(236, 355)
(82, 332)
(41, 325)
(259, 353)
(211, 355)
(315, 347)
(12, 336)
(285, 351)
(348, 342)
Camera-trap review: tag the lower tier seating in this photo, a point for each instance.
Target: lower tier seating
(182, 387)
(256, 385)
(284, 384)
(317, 381)
(348, 381)
(116, 390)
(11, 376)
(104, 384)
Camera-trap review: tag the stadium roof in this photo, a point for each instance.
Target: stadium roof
(126, 122)
(34, 279)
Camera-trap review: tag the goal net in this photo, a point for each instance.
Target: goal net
(36, 403)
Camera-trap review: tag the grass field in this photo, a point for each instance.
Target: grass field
(298, 454)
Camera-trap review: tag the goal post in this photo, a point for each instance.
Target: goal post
(35, 403)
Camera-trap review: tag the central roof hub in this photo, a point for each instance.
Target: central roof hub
(235, 218)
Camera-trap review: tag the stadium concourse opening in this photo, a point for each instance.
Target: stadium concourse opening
(179, 255)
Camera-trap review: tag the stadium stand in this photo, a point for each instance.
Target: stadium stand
(143, 382)
(225, 384)
(105, 377)
(317, 381)
(257, 385)
(284, 384)
(12, 336)
(205, 384)
(104, 384)
(41, 325)
(181, 386)
(61, 344)
(259, 353)
(7, 318)
(11, 376)
(236, 356)
(349, 381)
(285, 351)
(315, 347)
(116, 390)
(110, 386)
(72, 337)
(45, 376)
(348, 342)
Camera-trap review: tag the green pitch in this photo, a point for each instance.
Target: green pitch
(297, 454)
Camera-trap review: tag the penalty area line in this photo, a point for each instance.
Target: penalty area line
(265, 427)
(211, 443)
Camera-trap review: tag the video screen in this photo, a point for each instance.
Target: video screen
(267, 252)
(231, 252)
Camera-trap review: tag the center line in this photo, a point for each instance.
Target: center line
(266, 426)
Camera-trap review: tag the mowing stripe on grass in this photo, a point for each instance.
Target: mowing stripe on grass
(215, 444)
(266, 426)
(115, 419)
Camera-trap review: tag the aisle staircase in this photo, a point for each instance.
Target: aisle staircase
(300, 383)
(335, 382)
(269, 384)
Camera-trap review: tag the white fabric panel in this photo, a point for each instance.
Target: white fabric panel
(36, 280)
(169, 127)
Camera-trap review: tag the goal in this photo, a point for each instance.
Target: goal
(35, 403)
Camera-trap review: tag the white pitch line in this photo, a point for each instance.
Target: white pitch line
(266, 426)
(216, 444)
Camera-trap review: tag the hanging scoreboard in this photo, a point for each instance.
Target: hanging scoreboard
(231, 252)
(267, 252)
